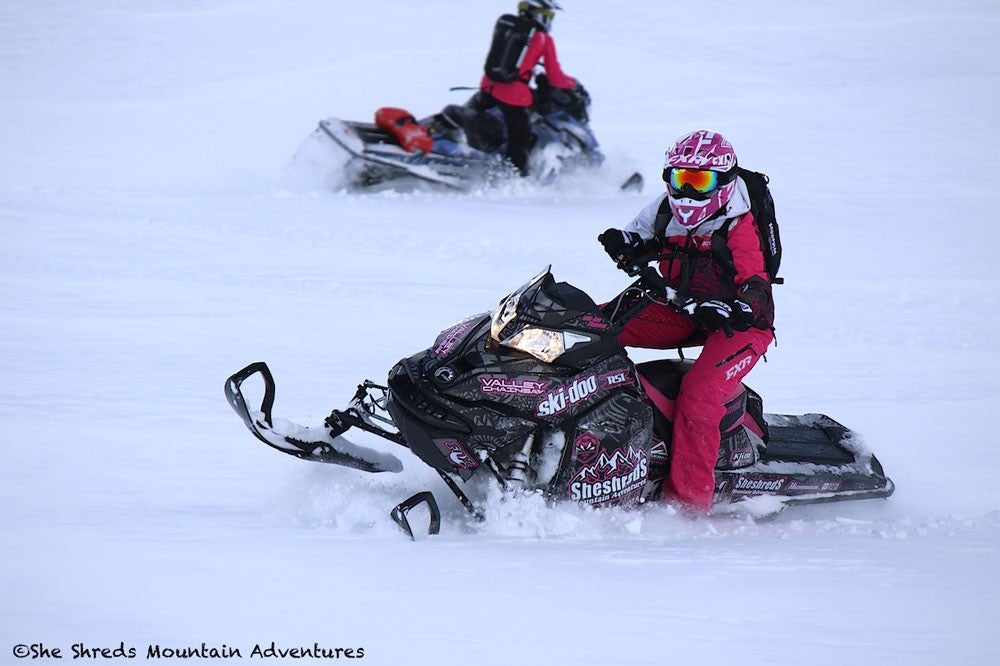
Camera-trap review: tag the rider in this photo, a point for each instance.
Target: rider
(723, 297)
(519, 43)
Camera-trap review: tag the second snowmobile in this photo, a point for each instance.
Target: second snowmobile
(459, 148)
(539, 396)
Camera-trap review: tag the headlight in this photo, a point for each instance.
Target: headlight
(543, 344)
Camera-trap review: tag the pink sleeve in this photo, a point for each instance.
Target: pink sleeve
(744, 243)
(752, 282)
(557, 77)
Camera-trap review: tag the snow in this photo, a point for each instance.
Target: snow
(154, 242)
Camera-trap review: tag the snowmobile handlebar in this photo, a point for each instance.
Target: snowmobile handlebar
(655, 287)
(652, 281)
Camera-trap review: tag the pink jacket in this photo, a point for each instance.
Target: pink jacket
(693, 268)
(517, 93)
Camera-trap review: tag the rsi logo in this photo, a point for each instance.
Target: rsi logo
(565, 396)
(620, 378)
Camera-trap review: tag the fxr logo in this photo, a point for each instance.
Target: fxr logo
(457, 455)
(739, 367)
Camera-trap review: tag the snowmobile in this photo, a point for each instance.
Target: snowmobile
(539, 396)
(461, 147)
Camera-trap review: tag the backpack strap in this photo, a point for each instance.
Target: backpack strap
(762, 207)
(511, 37)
(720, 248)
(662, 219)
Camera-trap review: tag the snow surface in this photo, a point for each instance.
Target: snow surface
(154, 242)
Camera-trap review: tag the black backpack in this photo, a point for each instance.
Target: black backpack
(510, 40)
(762, 207)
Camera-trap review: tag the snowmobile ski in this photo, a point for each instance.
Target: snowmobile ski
(400, 513)
(314, 444)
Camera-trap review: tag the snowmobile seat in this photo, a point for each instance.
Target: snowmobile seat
(795, 439)
(484, 131)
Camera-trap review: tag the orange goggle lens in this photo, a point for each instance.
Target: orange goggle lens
(701, 181)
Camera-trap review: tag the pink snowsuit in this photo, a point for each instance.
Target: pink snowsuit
(724, 361)
(517, 93)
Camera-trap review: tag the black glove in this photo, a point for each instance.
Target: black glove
(734, 315)
(622, 246)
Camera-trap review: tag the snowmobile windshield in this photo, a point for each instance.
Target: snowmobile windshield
(514, 322)
(506, 313)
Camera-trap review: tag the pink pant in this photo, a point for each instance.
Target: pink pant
(715, 377)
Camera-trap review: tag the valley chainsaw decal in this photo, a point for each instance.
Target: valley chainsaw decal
(606, 478)
(512, 386)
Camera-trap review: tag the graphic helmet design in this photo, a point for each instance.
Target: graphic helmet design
(700, 172)
(542, 11)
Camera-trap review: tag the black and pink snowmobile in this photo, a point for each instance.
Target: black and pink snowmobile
(539, 396)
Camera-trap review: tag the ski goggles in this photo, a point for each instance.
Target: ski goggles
(543, 16)
(695, 183)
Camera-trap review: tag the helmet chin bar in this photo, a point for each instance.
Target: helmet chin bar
(692, 212)
(691, 203)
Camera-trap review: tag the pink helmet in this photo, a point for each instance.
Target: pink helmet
(700, 172)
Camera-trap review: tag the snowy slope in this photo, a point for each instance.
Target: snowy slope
(154, 242)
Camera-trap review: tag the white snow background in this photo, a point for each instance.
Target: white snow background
(154, 241)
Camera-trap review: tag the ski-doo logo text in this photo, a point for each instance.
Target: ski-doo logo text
(512, 386)
(564, 397)
(739, 366)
